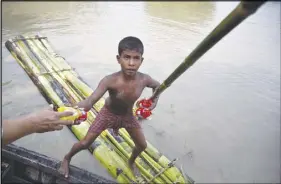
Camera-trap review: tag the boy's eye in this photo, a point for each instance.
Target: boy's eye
(134, 57)
(137, 58)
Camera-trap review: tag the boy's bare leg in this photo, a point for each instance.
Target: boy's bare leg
(140, 145)
(81, 145)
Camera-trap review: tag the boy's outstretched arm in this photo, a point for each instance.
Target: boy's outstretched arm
(152, 83)
(88, 103)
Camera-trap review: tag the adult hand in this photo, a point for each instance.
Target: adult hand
(37, 122)
(48, 120)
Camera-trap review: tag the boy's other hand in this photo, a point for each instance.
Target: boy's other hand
(154, 103)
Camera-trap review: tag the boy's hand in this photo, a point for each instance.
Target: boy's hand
(152, 83)
(154, 103)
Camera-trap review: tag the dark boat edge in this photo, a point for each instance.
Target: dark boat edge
(20, 165)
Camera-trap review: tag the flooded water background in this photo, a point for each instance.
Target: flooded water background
(221, 117)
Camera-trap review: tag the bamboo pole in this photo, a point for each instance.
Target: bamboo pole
(239, 14)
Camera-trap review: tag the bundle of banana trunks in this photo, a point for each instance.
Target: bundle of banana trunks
(60, 85)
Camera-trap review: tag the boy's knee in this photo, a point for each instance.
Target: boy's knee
(85, 144)
(142, 146)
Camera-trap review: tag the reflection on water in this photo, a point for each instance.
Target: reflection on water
(225, 110)
(184, 12)
(193, 17)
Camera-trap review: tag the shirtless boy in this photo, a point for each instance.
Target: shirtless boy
(124, 88)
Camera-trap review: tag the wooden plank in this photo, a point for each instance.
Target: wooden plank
(30, 166)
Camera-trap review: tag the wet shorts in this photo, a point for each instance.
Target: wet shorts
(106, 119)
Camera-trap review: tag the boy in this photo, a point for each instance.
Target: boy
(124, 88)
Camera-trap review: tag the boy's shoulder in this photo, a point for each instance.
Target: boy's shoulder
(115, 75)
(111, 77)
(144, 76)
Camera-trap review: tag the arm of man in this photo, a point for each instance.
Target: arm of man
(152, 83)
(15, 129)
(40, 121)
(88, 103)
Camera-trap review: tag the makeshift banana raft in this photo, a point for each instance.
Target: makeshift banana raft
(61, 85)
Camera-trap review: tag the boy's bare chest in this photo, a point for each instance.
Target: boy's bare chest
(127, 92)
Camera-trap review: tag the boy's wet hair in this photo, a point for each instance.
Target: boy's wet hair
(130, 43)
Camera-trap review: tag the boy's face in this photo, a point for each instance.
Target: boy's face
(130, 61)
